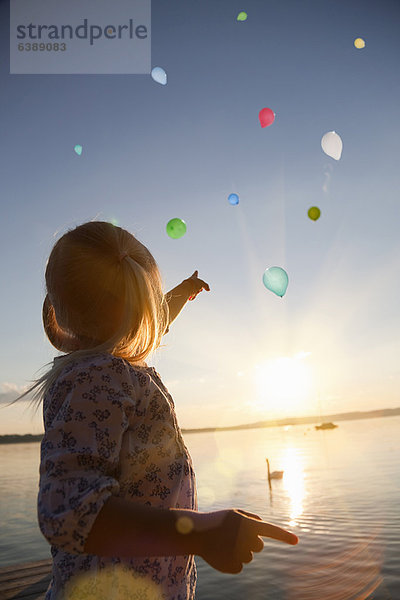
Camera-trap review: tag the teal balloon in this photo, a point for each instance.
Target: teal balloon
(176, 228)
(276, 280)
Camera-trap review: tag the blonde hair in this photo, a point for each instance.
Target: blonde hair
(104, 294)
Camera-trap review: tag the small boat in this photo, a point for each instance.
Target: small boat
(274, 474)
(326, 426)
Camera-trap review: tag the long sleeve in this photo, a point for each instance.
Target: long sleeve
(80, 450)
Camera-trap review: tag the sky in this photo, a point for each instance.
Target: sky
(238, 353)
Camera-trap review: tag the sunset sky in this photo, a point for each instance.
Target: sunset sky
(150, 153)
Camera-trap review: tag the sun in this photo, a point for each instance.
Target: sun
(284, 383)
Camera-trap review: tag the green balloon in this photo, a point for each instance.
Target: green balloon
(242, 16)
(176, 228)
(276, 280)
(314, 213)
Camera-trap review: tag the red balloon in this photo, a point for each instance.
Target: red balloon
(266, 116)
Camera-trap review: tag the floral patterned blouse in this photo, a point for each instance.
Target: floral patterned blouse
(111, 429)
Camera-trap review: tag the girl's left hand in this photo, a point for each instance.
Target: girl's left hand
(196, 285)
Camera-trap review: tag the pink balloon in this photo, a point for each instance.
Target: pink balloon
(266, 116)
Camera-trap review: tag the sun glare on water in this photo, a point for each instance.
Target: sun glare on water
(293, 482)
(284, 383)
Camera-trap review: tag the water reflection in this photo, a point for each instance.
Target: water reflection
(293, 482)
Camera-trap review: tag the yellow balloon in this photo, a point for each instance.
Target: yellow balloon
(359, 43)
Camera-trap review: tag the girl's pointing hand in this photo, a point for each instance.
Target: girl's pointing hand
(196, 285)
(231, 536)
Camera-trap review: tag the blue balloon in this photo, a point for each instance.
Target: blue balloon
(276, 280)
(233, 199)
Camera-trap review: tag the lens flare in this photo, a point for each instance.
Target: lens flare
(352, 574)
(115, 581)
(184, 525)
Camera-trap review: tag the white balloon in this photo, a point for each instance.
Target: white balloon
(159, 75)
(332, 144)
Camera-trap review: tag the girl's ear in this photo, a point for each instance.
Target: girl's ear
(57, 336)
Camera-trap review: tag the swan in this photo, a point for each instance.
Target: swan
(274, 474)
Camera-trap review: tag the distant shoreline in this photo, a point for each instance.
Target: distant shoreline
(350, 416)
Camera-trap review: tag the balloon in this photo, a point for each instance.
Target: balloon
(314, 213)
(233, 199)
(78, 149)
(159, 75)
(176, 228)
(359, 43)
(332, 144)
(242, 16)
(276, 280)
(266, 116)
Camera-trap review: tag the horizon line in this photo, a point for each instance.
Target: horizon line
(350, 416)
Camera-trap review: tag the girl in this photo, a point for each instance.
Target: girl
(117, 494)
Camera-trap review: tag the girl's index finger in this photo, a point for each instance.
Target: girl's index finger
(265, 529)
(248, 514)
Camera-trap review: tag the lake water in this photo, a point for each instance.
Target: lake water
(340, 494)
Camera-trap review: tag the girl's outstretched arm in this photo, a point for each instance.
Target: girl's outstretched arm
(226, 539)
(179, 295)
